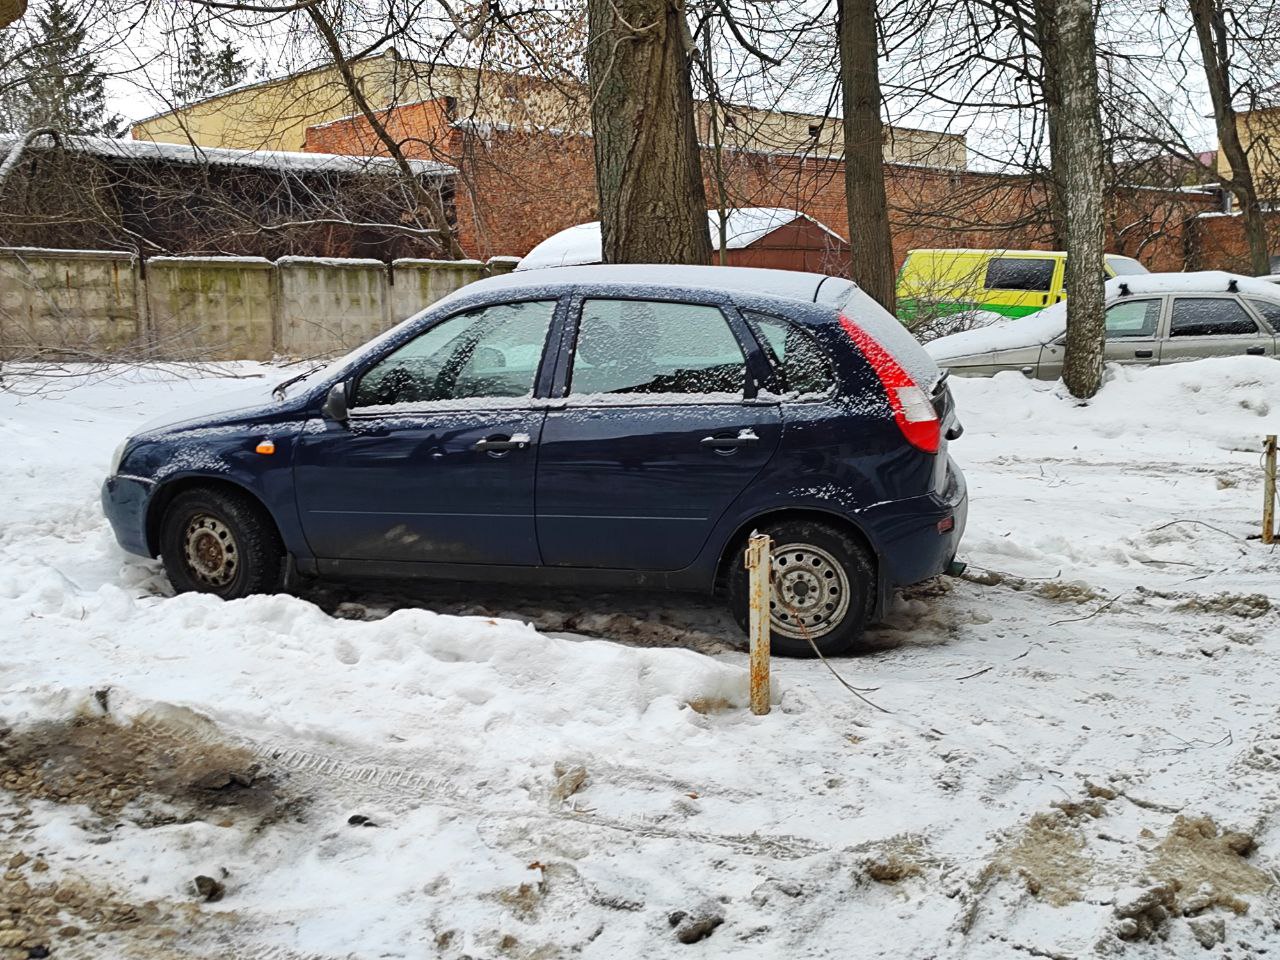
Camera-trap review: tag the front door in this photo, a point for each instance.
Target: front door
(656, 438)
(437, 461)
(1132, 328)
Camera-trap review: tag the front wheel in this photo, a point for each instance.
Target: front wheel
(823, 589)
(221, 542)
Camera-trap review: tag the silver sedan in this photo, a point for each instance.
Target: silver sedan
(1156, 318)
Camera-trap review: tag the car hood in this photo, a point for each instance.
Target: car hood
(1028, 331)
(220, 408)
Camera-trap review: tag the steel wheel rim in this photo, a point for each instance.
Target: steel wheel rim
(210, 549)
(810, 591)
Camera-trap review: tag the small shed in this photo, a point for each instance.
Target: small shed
(775, 237)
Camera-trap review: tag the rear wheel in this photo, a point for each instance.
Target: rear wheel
(823, 589)
(221, 542)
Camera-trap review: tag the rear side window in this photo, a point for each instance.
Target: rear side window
(1133, 318)
(800, 362)
(1270, 311)
(1210, 317)
(1019, 273)
(652, 347)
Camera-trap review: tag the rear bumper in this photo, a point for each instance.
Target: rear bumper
(124, 502)
(913, 535)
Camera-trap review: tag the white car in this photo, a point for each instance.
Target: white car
(1156, 318)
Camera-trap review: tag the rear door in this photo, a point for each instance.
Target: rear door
(658, 433)
(1213, 325)
(1018, 285)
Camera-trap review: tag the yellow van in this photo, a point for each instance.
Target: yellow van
(935, 283)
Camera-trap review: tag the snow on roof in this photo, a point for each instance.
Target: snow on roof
(279, 160)
(743, 227)
(792, 284)
(1051, 322)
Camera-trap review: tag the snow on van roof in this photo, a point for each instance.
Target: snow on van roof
(743, 226)
(1051, 322)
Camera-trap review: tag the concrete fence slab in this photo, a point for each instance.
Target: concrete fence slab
(96, 302)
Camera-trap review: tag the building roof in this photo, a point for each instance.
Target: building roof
(281, 161)
(744, 226)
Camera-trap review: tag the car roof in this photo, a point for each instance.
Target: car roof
(787, 284)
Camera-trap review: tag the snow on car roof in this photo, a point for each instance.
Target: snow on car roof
(743, 226)
(1050, 323)
(791, 284)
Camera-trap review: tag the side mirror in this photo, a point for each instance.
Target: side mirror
(335, 404)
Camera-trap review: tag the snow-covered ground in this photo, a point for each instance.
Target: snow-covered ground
(1082, 741)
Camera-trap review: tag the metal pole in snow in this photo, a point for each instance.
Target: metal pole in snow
(1269, 490)
(758, 568)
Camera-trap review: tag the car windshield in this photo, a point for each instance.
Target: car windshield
(1125, 266)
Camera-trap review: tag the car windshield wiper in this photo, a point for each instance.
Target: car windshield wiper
(278, 391)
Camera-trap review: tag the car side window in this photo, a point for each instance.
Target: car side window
(1210, 317)
(1133, 318)
(1019, 273)
(490, 352)
(800, 362)
(652, 347)
(1270, 311)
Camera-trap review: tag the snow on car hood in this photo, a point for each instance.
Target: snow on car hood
(223, 405)
(1027, 331)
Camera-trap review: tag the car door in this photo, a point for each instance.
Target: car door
(437, 460)
(1213, 325)
(1132, 336)
(1133, 330)
(657, 435)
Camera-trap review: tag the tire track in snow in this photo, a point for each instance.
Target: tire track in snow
(385, 783)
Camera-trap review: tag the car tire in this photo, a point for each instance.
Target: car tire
(221, 542)
(823, 585)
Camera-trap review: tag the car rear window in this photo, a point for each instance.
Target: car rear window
(1019, 273)
(892, 335)
(1270, 311)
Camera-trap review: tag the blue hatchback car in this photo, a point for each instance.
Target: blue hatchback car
(587, 426)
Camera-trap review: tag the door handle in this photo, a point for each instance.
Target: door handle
(501, 444)
(746, 437)
(1256, 351)
(1143, 354)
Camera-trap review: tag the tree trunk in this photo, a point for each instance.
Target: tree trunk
(11, 11)
(1047, 40)
(870, 242)
(1078, 172)
(1211, 32)
(653, 205)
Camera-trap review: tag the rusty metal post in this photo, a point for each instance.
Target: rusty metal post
(758, 568)
(1269, 490)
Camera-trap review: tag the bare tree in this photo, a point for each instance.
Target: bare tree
(1209, 21)
(1070, 54)
(653, 204)
(870, 243)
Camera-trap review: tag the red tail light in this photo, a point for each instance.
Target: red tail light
(912, 409)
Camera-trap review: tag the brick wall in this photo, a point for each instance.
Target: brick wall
(518, 187)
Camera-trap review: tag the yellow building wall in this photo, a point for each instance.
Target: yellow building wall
(274, 115)
(1259, 132)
